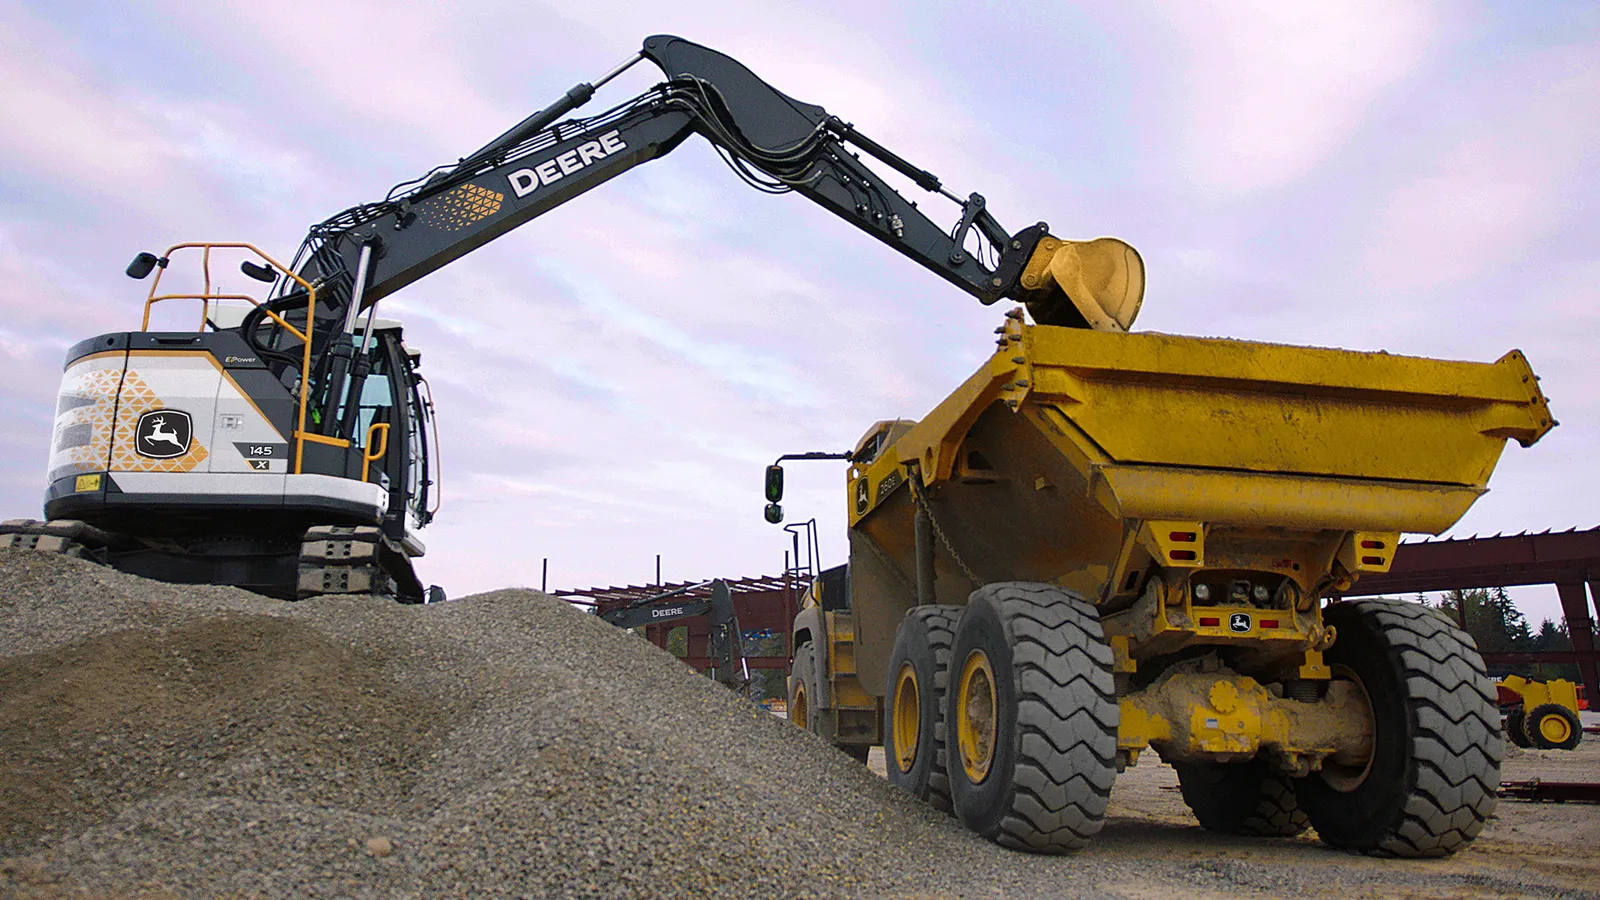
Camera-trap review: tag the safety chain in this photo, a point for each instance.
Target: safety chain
(918, 493)
(889, 563)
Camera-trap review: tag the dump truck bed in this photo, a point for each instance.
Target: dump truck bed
(1046, 464)
(1251, 433)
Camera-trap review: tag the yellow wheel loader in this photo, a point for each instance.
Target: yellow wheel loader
(1105, 542)
(1540, 714)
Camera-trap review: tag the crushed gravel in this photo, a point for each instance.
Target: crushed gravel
(165, 741)
(206, 741)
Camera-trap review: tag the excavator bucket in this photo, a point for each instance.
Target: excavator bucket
(1103, 278)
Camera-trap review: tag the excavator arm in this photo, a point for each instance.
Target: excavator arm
(726, 641)
(775, 142)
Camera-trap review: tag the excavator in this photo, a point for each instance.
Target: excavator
(725, 646)
(288, 446)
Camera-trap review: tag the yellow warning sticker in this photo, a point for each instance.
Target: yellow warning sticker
(87, 483)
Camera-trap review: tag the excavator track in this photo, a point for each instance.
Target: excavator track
(334, 559)
(355, 559)
(67, 537)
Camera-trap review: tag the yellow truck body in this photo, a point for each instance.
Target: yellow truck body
(1198, 498)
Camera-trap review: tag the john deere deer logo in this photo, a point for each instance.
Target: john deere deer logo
(163, 434)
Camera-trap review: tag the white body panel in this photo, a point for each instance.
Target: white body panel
(85, 405)
(233, 448)
(100, 406)
(266, 490)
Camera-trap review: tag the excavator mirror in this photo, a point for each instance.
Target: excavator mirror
(259, 273)
(142, 265)
(774, 485)
(773, 513)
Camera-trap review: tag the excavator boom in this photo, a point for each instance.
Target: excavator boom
(775, 142)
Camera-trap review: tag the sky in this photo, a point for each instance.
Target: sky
(612, 378)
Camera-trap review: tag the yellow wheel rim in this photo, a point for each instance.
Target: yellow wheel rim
(797, 709)
(1555, 728)
(906, 717)
(976, 715)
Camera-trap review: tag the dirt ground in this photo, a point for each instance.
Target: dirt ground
(1528, 850)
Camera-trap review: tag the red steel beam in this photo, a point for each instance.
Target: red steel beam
(1486, 562)
(1542, 656)
(1570, 560)
(1552, 791)
(1580, 628)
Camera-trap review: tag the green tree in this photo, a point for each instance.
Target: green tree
(1495, 624)
(1553, 636)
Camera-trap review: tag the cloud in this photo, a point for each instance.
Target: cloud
(1273, 88)
(395, 63)
(1506, 184)
(57, 120)
(758, 372)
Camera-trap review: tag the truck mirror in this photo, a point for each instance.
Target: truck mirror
(142, 265)
(774, 513)
(774, 484)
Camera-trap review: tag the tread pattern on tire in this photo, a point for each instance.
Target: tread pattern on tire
(1216, 792)
(941, 625)
(1517, 727)
(1455, 746)
(1067, 718)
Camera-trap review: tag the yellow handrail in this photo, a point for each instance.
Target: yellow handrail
(368, 456)
(300, 433)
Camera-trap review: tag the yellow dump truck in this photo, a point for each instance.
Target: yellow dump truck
(1105, 542)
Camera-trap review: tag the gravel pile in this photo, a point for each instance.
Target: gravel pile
(163, 742)
(200, 741)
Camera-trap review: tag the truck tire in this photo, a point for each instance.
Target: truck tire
(1430, 784)
(1241, 798)
(1032, 718)
(1517, 727)
(1554, 727)
(914, 732)
(803, 687)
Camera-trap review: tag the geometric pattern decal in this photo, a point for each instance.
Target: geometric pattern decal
(138, 399)
(99, 388)
(461, 207)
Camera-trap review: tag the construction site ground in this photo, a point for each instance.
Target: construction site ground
(159, 741)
